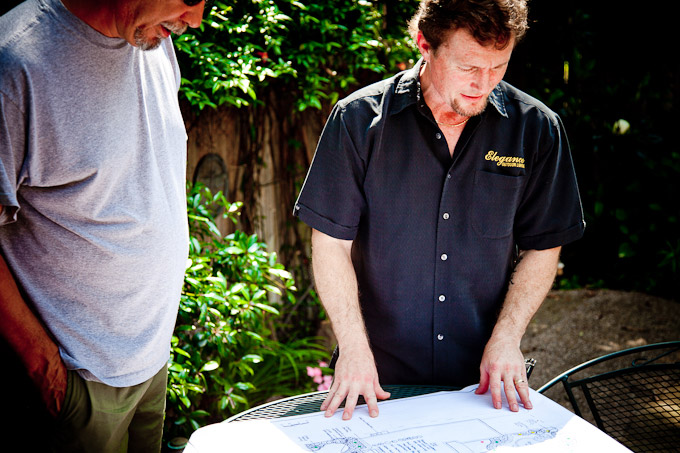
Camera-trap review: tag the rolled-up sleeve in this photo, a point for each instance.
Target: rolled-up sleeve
(332, 198)
(12, 147)
(550, 214)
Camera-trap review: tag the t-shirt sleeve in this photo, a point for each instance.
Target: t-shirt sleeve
(11, 157)
(550, 214)
(332, 198)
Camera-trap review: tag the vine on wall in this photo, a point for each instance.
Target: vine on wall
(282, 64)
(310, 53)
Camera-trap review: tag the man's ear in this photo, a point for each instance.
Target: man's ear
(424, 46)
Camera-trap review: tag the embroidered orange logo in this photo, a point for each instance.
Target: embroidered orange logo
(505, 161)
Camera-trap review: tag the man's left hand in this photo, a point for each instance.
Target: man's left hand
(503, 367)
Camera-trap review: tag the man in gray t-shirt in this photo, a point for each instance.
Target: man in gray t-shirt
(92, 209)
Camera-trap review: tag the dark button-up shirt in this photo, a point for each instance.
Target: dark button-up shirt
(435, 236)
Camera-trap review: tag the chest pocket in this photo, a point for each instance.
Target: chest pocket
(494, 202)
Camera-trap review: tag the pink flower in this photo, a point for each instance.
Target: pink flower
(313, 372)
(326, 383)
(319, 378)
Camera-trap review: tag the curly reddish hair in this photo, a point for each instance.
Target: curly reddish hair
(491, 22)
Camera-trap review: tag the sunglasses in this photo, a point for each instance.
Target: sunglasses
(195, 2)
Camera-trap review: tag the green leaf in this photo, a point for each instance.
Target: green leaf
(254, 358)
(284, 274)
(245, 386)
(237, 288)
(266, 308)
(182, 352)
(210, 366)
(239, 398)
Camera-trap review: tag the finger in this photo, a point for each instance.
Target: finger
(483, 383)
(379, 392)
(329, 397)
(496, 398)
(523, 389)
(327, 400)
(350, 404)
(335, 402)
(510, 394)
(495, 386)
(372, 403)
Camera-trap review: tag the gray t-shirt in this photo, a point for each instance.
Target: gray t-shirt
(92, 180)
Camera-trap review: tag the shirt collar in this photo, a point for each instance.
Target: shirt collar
(497, 99)
(408, 92)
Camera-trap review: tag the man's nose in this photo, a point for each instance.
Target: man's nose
(194, 15)
(483, 80)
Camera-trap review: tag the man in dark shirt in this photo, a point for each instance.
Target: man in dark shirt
(439, 201)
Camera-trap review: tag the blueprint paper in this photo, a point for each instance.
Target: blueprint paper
(450, 422)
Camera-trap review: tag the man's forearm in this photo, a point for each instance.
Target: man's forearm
(336, 284)
(355, 370)
(502, 362)
(530, 282)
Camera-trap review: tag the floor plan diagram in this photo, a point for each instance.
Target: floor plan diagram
(447, 422)
(465, 436)
(455, 422)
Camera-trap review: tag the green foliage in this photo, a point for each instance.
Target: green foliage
(310, 52)
(225, 58)
(225, 356)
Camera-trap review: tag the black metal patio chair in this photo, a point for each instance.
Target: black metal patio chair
(633, 395)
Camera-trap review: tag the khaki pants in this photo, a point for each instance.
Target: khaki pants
(98, 418)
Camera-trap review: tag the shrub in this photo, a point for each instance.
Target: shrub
(225, 356)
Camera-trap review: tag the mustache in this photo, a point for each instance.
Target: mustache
(175, 27)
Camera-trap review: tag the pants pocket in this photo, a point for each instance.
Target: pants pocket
(68, 403)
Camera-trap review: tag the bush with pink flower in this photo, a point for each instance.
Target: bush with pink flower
(316, 373)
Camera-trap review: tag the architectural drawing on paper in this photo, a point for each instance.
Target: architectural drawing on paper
(460, 436)
(351, 444)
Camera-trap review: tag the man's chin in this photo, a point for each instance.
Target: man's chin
(470, 109)
(146, 42)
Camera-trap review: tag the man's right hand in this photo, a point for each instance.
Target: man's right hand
(355, 374)
(355, 371)
(26, 335)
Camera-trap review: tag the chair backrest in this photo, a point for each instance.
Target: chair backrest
(633, 395)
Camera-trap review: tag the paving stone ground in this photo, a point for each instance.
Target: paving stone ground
(572, 327)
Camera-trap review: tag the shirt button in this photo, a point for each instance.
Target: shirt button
(442, 298)
(448, 176)
(440, 337)
(438, 135)
(444, 257)
(445, 216)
